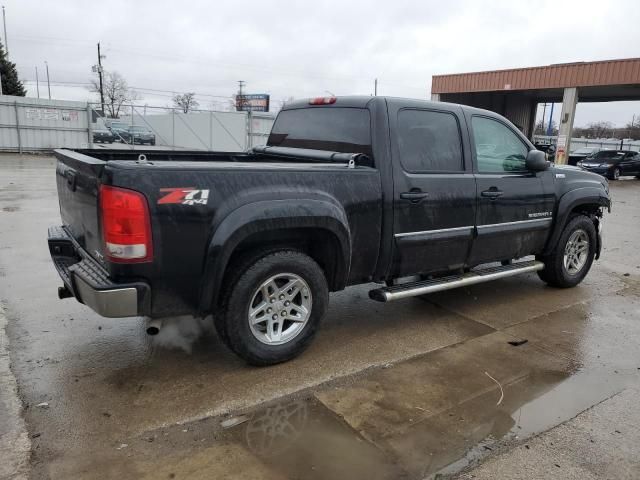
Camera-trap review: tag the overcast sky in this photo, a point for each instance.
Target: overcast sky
(302, 49)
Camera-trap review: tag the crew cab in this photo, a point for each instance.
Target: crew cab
(415, 196)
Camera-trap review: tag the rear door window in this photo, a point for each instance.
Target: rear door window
(334, 129)
(429, 141)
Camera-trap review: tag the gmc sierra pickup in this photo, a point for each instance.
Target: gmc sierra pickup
(414, 195)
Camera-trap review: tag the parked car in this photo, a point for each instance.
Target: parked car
(103, 136)
(420, 196)
(582, 154)
(138, 134)
(613, 163)
(118, 129)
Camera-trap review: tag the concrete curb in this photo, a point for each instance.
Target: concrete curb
(15, 445)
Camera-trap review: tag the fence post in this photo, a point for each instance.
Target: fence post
(133, 142)
(173, 129)
(15, 105)
(210, 130)
(90, 125)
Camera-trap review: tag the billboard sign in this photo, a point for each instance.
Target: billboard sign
(257, 102)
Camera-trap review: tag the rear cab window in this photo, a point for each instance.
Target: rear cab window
(333, 129)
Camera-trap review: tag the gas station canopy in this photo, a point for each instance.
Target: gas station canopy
(515, 93)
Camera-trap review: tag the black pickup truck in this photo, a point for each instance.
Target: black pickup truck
(413, 195)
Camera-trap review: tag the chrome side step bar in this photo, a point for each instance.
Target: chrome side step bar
(413, 289)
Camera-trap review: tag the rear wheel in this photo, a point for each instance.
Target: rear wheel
(274, 307)
(573, 255)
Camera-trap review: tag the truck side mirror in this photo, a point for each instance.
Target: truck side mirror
(536, 161)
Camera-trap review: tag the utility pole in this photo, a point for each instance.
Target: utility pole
(375, 88)
(544, 112)
(48, 83)
(4, 22)
(239, 101)
(549, 131)
(37, 83)
(6, 47)
(100, 79)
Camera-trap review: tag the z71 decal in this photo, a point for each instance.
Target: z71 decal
(183, 196)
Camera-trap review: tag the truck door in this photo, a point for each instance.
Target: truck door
(514, 205)
(434, 189)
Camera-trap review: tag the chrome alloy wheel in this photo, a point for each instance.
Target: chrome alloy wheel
(576, 252)
(280, 309)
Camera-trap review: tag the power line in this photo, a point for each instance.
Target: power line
(162, 93)
(262, 68)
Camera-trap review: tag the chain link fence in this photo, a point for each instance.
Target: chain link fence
(603, 143)
(169, 128)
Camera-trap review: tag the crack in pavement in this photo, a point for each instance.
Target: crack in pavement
(15, 445)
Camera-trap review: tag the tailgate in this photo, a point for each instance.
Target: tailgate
(77, 178)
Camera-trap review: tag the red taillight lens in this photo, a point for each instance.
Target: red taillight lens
(126, 226)
(322, 101)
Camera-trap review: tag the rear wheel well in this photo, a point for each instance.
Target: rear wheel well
(320, 244)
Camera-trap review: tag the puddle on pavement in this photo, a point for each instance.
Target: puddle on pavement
(433, 414)
(304, 438)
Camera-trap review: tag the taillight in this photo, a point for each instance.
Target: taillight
(322, 101)
(126, 226)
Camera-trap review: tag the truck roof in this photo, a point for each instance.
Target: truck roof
(363, 101)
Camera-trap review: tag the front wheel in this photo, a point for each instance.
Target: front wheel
(274, 308)
(615, 175)
(571, 259)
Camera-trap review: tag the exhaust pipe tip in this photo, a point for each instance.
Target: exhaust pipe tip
(153, 327)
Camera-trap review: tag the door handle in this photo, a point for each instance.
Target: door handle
(492, 193)
(414, 196)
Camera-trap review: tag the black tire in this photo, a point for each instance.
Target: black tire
(555, 272)
(615, 175)
(232, 322)
(152, 142)
(235, 271)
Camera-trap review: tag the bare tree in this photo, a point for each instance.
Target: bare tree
(600, 129)
(116, 92)
(186, 102)
(539, 130)
(633, 128)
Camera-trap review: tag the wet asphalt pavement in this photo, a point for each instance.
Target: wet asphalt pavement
(401, 390)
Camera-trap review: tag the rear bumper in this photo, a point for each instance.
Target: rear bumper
(87, 280)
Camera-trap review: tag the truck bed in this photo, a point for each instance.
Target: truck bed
(183, 231)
